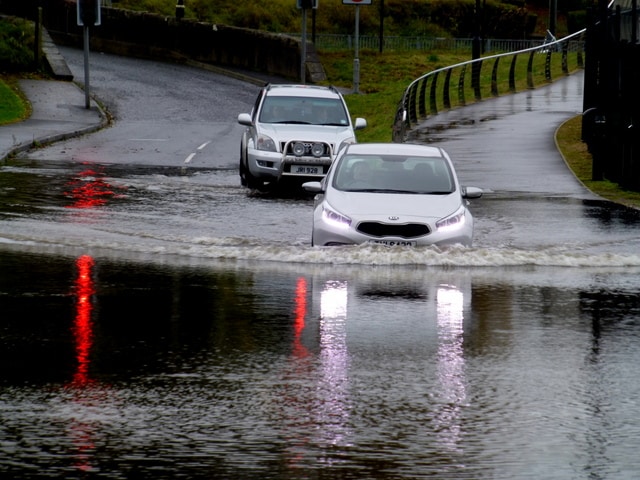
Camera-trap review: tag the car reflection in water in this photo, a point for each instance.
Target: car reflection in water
(348, 327)
(450, 366)
(323, 407)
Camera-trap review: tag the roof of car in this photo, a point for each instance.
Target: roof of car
(395, 149)
(302, 90)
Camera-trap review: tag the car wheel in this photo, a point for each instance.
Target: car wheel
(246, 178)
(251, 181)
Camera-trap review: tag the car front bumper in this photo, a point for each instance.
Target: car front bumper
(325, 234)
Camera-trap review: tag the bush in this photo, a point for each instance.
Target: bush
(16, 44)
(443, 18)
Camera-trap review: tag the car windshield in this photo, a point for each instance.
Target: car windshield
(303, 110)
(394, 174)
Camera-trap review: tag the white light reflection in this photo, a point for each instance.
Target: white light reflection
(333, 412)
(450, 367)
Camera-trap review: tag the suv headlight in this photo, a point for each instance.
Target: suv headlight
(266, 143)
(452, 222)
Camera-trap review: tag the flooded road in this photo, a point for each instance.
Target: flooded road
(236, 369)
(159, 321)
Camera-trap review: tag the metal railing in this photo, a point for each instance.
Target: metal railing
(472, 81)
(408, 43)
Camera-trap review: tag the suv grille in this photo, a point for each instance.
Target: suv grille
(407, 230)
(307, 148)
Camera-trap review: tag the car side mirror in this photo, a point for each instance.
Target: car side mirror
(359, 124)
(312, 187)
(245, 119)
(471, 192)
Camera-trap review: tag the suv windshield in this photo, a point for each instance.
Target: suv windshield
(305, 110)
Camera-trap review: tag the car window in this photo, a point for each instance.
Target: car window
(257, 104)
(393, 173)
(305, 110)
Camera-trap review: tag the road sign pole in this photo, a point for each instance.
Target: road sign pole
(356, 59)
(87, 97)
(303, 53)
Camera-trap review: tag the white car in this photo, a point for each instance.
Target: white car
(294, 132)
(395, 194)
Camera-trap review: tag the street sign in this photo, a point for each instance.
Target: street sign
(357, 2)
(88, 13)
(305, 4)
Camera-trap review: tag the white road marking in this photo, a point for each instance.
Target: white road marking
(148, 139)
(204, 145)
(189, 158)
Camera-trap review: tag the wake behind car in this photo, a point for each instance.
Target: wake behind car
(394, 194)
(293, 132)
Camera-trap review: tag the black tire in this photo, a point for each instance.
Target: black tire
(246, 178)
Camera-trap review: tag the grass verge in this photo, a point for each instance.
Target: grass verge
(13, 106)
(579, 160)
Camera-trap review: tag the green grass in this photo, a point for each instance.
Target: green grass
(13, 107)
(579, 160)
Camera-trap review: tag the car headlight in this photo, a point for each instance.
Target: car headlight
(345, 142)
(317, 149)
(266, 143)
(298, 149)
(452, 222)
(334, 218)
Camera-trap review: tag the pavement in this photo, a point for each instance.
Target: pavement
(59, 106)
(59, 112)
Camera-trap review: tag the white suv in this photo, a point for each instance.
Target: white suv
(293, 132)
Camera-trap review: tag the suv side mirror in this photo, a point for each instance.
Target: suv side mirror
(245, 119)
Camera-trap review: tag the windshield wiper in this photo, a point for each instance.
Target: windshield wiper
(381, 190)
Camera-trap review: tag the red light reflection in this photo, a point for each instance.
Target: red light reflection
(83, 325)
(299, 350)
(89, 190)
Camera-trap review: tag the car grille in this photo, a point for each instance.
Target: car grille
(307, 148)
(405, 230)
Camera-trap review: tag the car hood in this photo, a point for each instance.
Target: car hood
(403, 207)
(284, 132)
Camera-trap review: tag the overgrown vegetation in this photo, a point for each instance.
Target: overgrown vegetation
(438, 18)
(16, 57)
(16, 44)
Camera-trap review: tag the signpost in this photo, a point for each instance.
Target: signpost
(356, 60)
(88, 15)
(304, 5)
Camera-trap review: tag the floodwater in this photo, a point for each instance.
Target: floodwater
(162, 324)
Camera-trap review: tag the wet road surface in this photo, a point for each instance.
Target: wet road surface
(162, 322)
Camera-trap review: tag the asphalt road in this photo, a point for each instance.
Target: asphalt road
(164, 114)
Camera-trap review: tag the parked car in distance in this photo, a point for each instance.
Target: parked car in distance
(394, 194)
(293, 132)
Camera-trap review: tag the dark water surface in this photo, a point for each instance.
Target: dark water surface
(184, 369)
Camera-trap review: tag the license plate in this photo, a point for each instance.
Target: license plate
(394, 243)
(306, 170)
